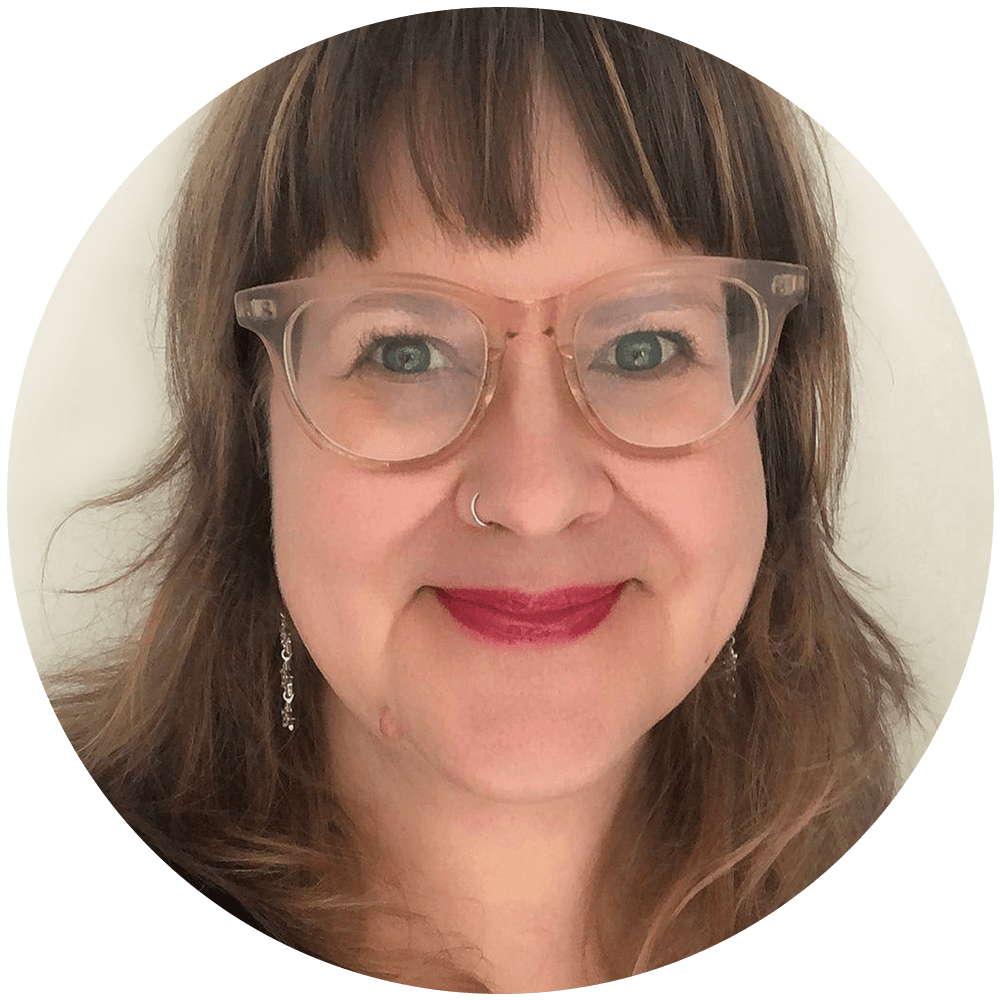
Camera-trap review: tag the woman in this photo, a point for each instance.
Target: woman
(502, 649)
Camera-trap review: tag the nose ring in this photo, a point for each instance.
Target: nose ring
(475, 516)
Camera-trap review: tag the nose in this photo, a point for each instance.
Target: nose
(534, 461)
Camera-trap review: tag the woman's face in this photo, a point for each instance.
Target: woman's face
(363, 556)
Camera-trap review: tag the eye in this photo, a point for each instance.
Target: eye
(401, 355)
(643, 351)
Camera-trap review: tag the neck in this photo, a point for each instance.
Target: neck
(502, 883)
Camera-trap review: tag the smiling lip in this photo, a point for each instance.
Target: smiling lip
(512, 616)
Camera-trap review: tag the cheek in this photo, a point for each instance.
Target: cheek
(732, 506)
(709, 512)
(325, 508)
(735, 511)
(342, 544)
(310, 510)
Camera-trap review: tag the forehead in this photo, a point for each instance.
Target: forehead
(579, 233)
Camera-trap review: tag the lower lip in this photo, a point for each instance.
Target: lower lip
(554, 618)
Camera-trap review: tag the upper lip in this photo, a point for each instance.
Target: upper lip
(519, 602)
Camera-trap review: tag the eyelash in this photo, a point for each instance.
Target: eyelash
(376, 338)
(683, 346)
(684, 352)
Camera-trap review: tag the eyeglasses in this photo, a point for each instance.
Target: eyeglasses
(399, 369)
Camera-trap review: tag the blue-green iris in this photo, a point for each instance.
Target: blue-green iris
(638, 352)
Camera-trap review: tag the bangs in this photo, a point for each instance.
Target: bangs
(682, 140)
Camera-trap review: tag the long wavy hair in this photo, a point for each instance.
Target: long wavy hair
(735, 806)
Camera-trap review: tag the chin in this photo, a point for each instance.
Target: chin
(538, 751)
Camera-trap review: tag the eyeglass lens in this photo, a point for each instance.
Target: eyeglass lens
(396, 375)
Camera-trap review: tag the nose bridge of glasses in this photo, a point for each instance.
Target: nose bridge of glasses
(535, 376)
(514, 319)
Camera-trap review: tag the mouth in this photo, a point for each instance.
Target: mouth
(511, 617)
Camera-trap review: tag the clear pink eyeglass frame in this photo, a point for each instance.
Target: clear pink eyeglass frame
(775, 288)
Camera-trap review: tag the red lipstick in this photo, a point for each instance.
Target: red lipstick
(512, 616)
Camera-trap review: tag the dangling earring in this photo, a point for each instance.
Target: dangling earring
(730, 663)
(287, 692)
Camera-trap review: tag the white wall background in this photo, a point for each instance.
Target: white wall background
(917, 513)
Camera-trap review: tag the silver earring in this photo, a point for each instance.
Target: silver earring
(475, 516)
(287, 691)
(731, 662)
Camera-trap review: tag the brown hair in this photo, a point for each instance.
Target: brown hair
(732, 810)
